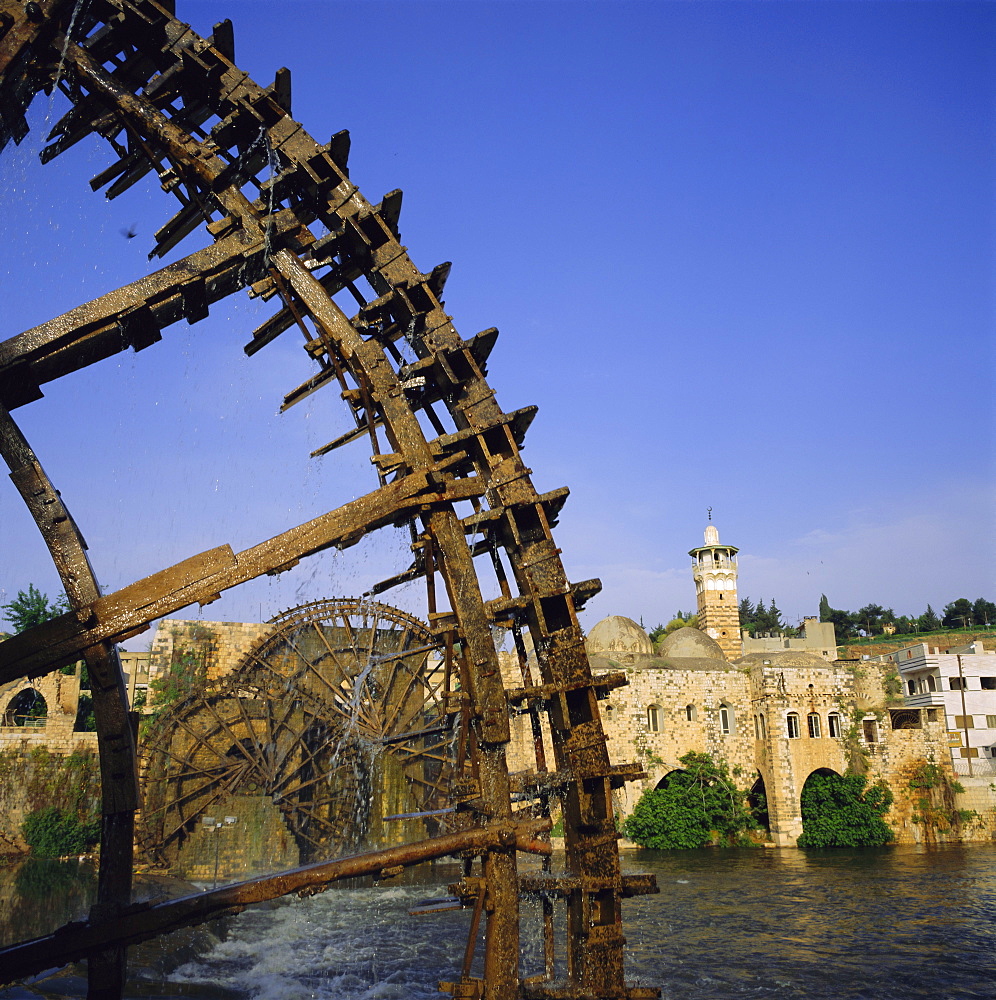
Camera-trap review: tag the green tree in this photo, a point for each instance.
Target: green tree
(929, 622)
(984, 612)
(840, 811)
(54, 833)
(681, 619)
(843, 623)
(958, 614)
(746, 610)
(699, 806)
(871, 617)
(657, 633)
(825, 608)
(767, 619)
(32, 607)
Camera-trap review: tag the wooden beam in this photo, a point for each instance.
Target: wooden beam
(202, 578)
(143, 921)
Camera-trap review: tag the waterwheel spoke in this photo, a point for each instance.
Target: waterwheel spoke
(413, 679)
(237, 741)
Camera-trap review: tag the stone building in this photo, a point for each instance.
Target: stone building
(42, 712)
(780, 709)
(958, 684)
(817, 637)
(775, 717)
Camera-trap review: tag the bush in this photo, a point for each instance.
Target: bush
(52, 833)
(699, 806)
(839, 811)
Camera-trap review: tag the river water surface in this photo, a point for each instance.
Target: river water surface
(890, 924)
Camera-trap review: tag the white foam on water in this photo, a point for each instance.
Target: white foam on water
(355, 944)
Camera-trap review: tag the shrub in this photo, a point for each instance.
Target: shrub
(53, 833)
(839, 811)
(699, 806)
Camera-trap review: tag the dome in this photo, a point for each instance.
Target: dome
(784, 658)
(690, 642)
(617, 634)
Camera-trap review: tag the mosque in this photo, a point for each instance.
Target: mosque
(776, 713)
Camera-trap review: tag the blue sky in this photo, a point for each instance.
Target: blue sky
(740, 254)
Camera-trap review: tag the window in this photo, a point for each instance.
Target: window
(963, 722)
(931, 683)
(757, 729)
(912, 686)
(814, 726)
(988, 683)
(793, 725)
(932, 715)
(870, 729)
(654, 718)
(764, 734)
(833, 725)
(957, 683)
(726, 719)
(690, 713)
(991, 721)
(905, 718)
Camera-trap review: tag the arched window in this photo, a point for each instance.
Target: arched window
(654, 718)
(792, 724)
(833, 725)
(912, 686)
(726, 720)
(691, 713)
(764, 732)
(608, 712)
(757, 729)
(931, 683)
(26, 708)
(814, 726)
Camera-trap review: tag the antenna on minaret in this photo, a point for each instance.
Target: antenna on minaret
(709, 511)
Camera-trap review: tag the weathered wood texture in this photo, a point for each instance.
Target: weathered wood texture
(174, 104)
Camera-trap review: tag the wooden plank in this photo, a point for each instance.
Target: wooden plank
(144, 921)
(203, 577)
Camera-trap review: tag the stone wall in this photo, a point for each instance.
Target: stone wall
(217, 646)
(740, 712)
(258, 841)
(32, 776)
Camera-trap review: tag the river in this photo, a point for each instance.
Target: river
(892, 924)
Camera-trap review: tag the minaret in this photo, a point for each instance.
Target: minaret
(714, 568)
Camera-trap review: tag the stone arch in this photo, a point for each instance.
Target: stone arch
(827, 771)
(757, 799)
(691, 713)
(665, 781)
(27, 708)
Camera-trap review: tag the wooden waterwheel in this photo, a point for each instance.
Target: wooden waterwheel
(338, 716)
(284, 220)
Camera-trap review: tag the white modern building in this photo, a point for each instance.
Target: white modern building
(961, 683)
